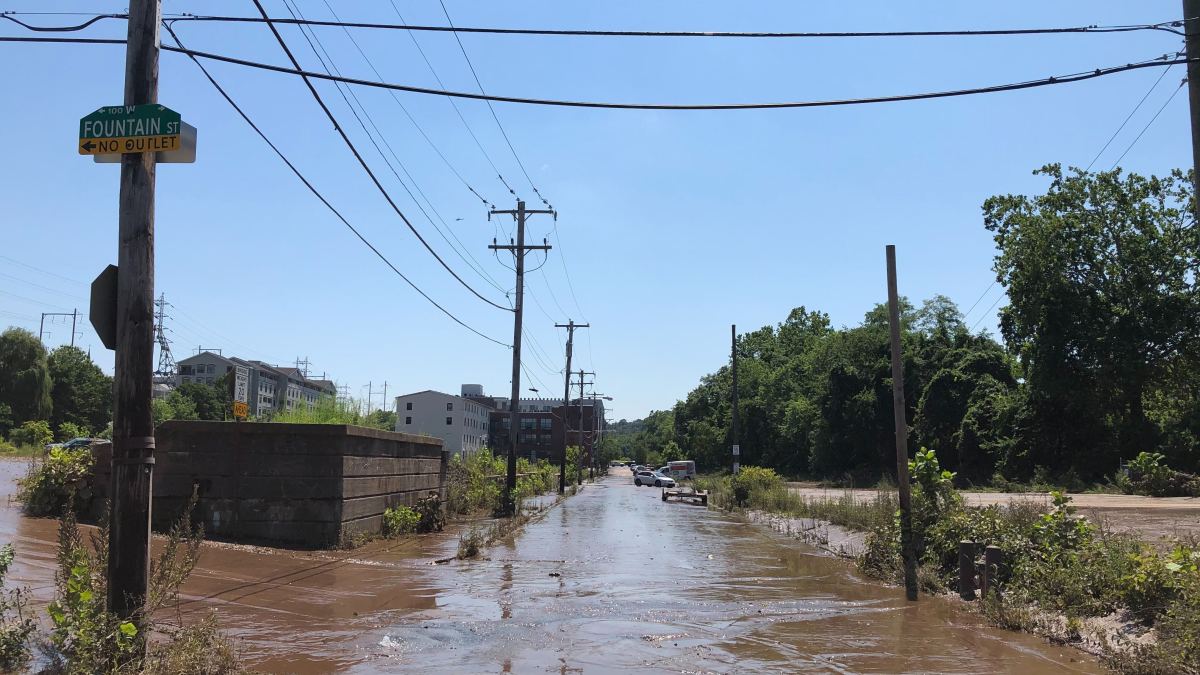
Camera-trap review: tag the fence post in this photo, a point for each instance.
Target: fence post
(993, 562)
(966, 570)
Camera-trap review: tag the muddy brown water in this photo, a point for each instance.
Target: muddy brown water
(612, 579)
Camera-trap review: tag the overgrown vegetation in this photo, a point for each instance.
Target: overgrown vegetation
(476, 484)
(1148, 474)
(57, 480)
(16, 622)
(86, 639)
(428, 516)
(1058, 563)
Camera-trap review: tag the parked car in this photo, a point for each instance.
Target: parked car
(71, 444)
(650, 478)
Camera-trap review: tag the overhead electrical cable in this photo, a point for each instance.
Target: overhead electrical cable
(478, 83)
(454, 104)
(326, 202)
(987, 311)
(1150, 123)
(362, 162)
(1016, 86)
(329, 66)
(1163, 26)
(412, 119)
(1129, 116)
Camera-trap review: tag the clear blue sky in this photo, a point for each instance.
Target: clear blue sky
(674, 224)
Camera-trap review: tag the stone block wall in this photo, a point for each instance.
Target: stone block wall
(306, 485)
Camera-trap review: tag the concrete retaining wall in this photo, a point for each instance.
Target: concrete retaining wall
(309, 485)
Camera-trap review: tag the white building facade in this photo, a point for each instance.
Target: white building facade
(462, 424)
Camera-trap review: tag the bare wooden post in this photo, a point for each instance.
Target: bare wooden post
(993, 563)
(133, 424)
(966, 570)
(906, 533)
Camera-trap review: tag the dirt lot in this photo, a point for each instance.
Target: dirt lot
(1155, 519)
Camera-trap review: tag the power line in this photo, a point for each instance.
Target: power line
(43, 271)
(1028, 84)
(1148, 124)
(324, 201)
(412, 119)
(1165, 26)
(1129, 116)
(987, 311)
(454, 104)
(473, 263)
(327, 63)
(463, 49)
(362, 162)
(981, 296)
(1016, 86)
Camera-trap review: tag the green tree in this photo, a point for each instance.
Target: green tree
(1101, 273)
(80, 391)
(24, 378)
(381, 419)
(202, 401)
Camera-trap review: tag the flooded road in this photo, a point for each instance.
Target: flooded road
(610, 579)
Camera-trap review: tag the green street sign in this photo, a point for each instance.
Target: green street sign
(130, 128)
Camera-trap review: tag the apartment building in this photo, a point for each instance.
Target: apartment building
(460, 422)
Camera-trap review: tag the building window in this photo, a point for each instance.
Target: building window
(449, 406)
(528, 424)
(408, 406)
(546, 423)
(449, 421)
(408, 420)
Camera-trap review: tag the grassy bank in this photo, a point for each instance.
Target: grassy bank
(1065, 577)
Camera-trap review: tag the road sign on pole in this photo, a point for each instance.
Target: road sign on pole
(103, 309)
(118, 129)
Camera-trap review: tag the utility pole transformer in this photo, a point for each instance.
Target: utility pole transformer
(906, 533)
(562, 455)
(737, 449)
(133, 369)
(518, 250)
(1191, 30)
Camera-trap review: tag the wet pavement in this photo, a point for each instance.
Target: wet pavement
(611, 579)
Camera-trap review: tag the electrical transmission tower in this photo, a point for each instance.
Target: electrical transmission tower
(165, 373)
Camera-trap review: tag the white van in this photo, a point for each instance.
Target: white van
(682, 470)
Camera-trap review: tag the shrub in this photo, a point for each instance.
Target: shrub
(52, 483)
(1148, 475)
(34, 432)
(86, 638)
(429, 512)
(474, 484)
(69, 430)
(400, 520)
(751, 480)
(15, 626)
(1155, 581)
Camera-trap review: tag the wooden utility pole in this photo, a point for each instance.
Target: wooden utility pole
(133, 368)
(562, 455)
(737, 449)
(906, 532)
(1191, 30)
(579, 433)
(518, 250)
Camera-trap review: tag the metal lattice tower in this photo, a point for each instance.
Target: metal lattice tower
(166, 362)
